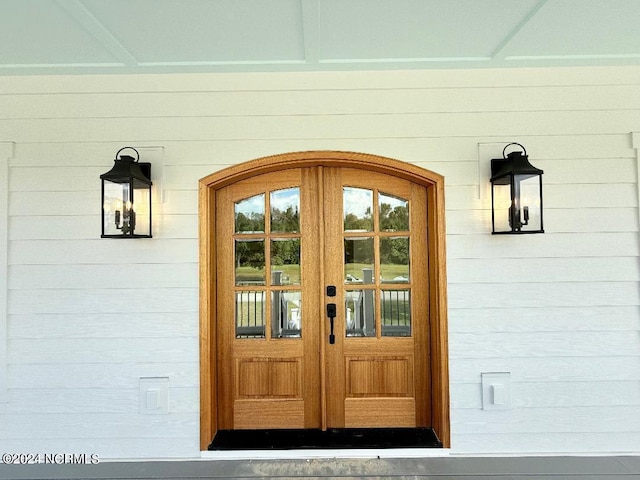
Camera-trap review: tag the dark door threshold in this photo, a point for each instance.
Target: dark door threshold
(275, 439)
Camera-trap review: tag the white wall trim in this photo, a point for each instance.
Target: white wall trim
(325, 453)
(635, 142)
(6, 153)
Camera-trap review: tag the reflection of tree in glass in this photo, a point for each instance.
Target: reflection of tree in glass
(353, 222)
(250, 254)
(285, 252)
(394, 251)
(394, 219)
(358, 250)
(285, 221)
(251, 223)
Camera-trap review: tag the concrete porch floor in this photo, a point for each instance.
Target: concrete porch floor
(441, 468)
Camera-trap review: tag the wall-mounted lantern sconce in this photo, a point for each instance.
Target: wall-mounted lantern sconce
(126, 198)
(516, 194)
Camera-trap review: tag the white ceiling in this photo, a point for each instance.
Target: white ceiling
(152, 36)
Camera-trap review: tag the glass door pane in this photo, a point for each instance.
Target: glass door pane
(395, 307)
(376, 246)
(268, 247)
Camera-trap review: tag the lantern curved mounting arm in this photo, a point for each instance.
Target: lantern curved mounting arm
(137, 154)
(503, 150)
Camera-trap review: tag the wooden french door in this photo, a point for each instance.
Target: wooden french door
(268, 302)
(322, 300)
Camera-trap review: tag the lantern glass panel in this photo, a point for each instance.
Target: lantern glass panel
(142, 209)
(528, 204)
(501, 204)
(115, 197)
(517, 208)
(126, 209)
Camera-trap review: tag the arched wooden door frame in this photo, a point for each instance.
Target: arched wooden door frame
(434, 184)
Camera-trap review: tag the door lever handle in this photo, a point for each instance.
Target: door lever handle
(331, 313)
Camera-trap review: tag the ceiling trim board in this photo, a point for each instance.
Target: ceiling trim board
(614, 56)
(76, 10)
(405, 60)
(18, 66)
(216, 63)
(498, 53)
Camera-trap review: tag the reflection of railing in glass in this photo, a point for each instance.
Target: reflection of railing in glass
(285, 314)
(250, 314)
(395, 313)
(360, 313)
(285, 310)
(395, 306)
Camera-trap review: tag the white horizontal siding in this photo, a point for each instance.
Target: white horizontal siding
(90, 425)
(6, 151)
(426, 148)
(527, 270)
(534, 295)
(88, 317)
(98, 251)
(116, 376)
(339, 101)
(544, 319)
(362, 126)
(544, 344)
(104, 325)
(575, 395)
(97, 401)
(599, 371)
(104, 350)
(125, 301)
(605, 419)
(129, 276)
(549, 442)
(554, 245)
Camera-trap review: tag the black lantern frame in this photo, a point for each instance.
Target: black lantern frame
(126, 198)
(524, 213)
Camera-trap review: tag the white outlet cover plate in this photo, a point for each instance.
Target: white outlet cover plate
(496, 391)
(154, 395)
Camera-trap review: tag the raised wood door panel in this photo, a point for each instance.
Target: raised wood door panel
(268, 369)
(271, 374)
(377, 370)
